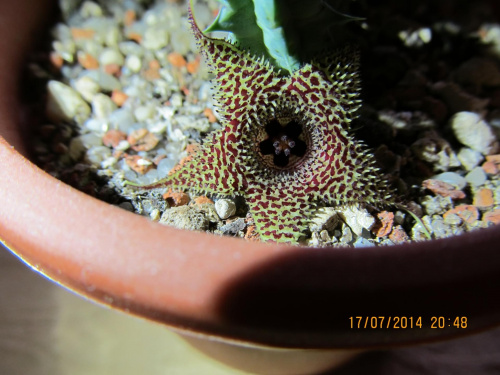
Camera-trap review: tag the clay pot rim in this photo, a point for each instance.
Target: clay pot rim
(120, 259)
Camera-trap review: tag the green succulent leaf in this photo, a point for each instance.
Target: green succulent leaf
(287, 33)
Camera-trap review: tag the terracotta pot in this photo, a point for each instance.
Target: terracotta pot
(268, 308)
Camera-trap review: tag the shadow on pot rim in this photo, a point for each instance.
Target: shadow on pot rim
(226, 288)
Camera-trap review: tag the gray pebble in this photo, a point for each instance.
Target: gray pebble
(234, 227)
(185, 217)
(225, 208)
(452, 178)
(476, 177)
(436, 205)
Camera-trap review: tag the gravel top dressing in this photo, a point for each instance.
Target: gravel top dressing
(126, 94)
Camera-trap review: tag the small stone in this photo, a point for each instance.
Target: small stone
(87, 87)
(133, 63)
(96, 155)
(155, 38)
(483, 199)
(490, 168)
(175, 198)
(492, 164)
(135, 163)
(65, 104)
(87, 60)
(234, 227)
(346, 235)
(153, 71)
(399, 217)
(142, 140)
(452, 219)
(443, 189)
(185, 217)
(383, 225)
(119, 97)
(193, 66)
(111, 56)
(210, 115)
(363, 242)
(113, 137)
(102, 106)
(144, 112)
(129, 17)
(398, 235)
(436, 205)
(453, 179)
(225, 208)
(106, 81)
(176, 59)
(90, 9)
(492, 217)
(78, 33)
(469, 158)
(203, 200)
(468, 213)
(472, 131)
(356, 218)
(476, 177)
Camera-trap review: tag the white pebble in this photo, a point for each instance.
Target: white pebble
(90, 9)
(155, 38)
(356, 218)
(164, 166)
(96, 155)
(65, 104)
(134, 63)
(469, 158)
(472, 131)
(225, 208)
(111, 56)
(86, 87)
(144, 112)
(102, 106)
(122, 145)
(105, 80)
(90, 140)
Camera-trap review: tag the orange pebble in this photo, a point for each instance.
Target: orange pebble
(113, 69)
(88, 61)
(466, 212)
(176, 199)
(129, 17)
(210, 115)
(176, 59)
(135, 37)
(78, 33)
(193, 66)
(119, 97)
(483, 198)
(492, 216)
(56, 59)
(202, 200)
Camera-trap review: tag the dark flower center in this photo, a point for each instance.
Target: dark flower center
(283, 142)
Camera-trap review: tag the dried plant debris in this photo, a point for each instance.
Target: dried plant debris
(128, 97)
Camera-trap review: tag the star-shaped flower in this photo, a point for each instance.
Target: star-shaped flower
(285, 144)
